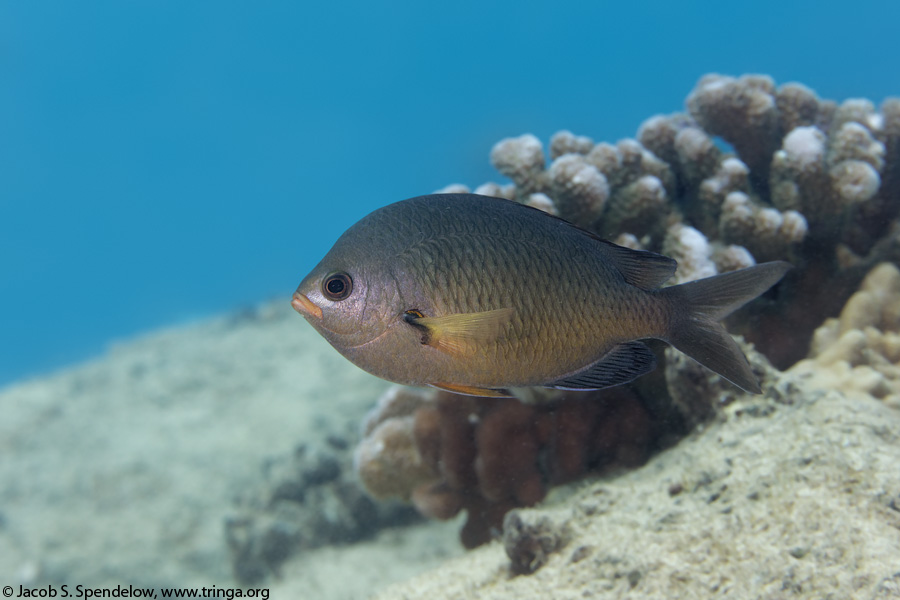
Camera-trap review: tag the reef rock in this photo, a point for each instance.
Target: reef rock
(859, 351)
(793, 494)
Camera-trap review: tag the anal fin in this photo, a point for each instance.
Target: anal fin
(624, 363)
(471, 390)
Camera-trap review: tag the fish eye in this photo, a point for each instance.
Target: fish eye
(337, 286)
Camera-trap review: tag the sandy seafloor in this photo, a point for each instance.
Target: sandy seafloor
(123, 470)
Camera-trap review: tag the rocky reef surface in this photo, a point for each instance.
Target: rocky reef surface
(794, 494)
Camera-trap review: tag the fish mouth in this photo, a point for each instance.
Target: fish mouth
(305, 307)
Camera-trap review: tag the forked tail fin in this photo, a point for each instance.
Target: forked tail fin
(699, 305)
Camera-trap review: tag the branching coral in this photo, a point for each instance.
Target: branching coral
(449, 453)
(805, 180)
(809, 181)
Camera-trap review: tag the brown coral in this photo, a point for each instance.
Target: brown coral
(487, 455)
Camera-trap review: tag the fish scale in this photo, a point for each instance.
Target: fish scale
(479, 295)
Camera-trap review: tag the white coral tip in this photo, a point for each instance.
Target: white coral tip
(805, 145)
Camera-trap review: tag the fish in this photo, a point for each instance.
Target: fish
(484, 296)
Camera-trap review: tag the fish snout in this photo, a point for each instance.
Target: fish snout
(305, 307)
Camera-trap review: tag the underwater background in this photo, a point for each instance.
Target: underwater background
(162, 162)
(170, 171)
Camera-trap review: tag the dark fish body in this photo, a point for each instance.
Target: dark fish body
(479, 295)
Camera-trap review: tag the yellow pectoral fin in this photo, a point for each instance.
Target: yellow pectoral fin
(461, 335)
(469, 390)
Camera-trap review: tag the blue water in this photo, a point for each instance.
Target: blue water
(161, 161)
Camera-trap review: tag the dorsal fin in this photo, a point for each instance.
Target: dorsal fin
(640, 268)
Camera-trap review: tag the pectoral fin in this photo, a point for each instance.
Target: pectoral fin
(622, 364)
(469, 390)
(462, 334)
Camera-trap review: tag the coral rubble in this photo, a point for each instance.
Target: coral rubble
(529, 539)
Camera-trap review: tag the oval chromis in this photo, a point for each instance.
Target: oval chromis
(481, 295)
